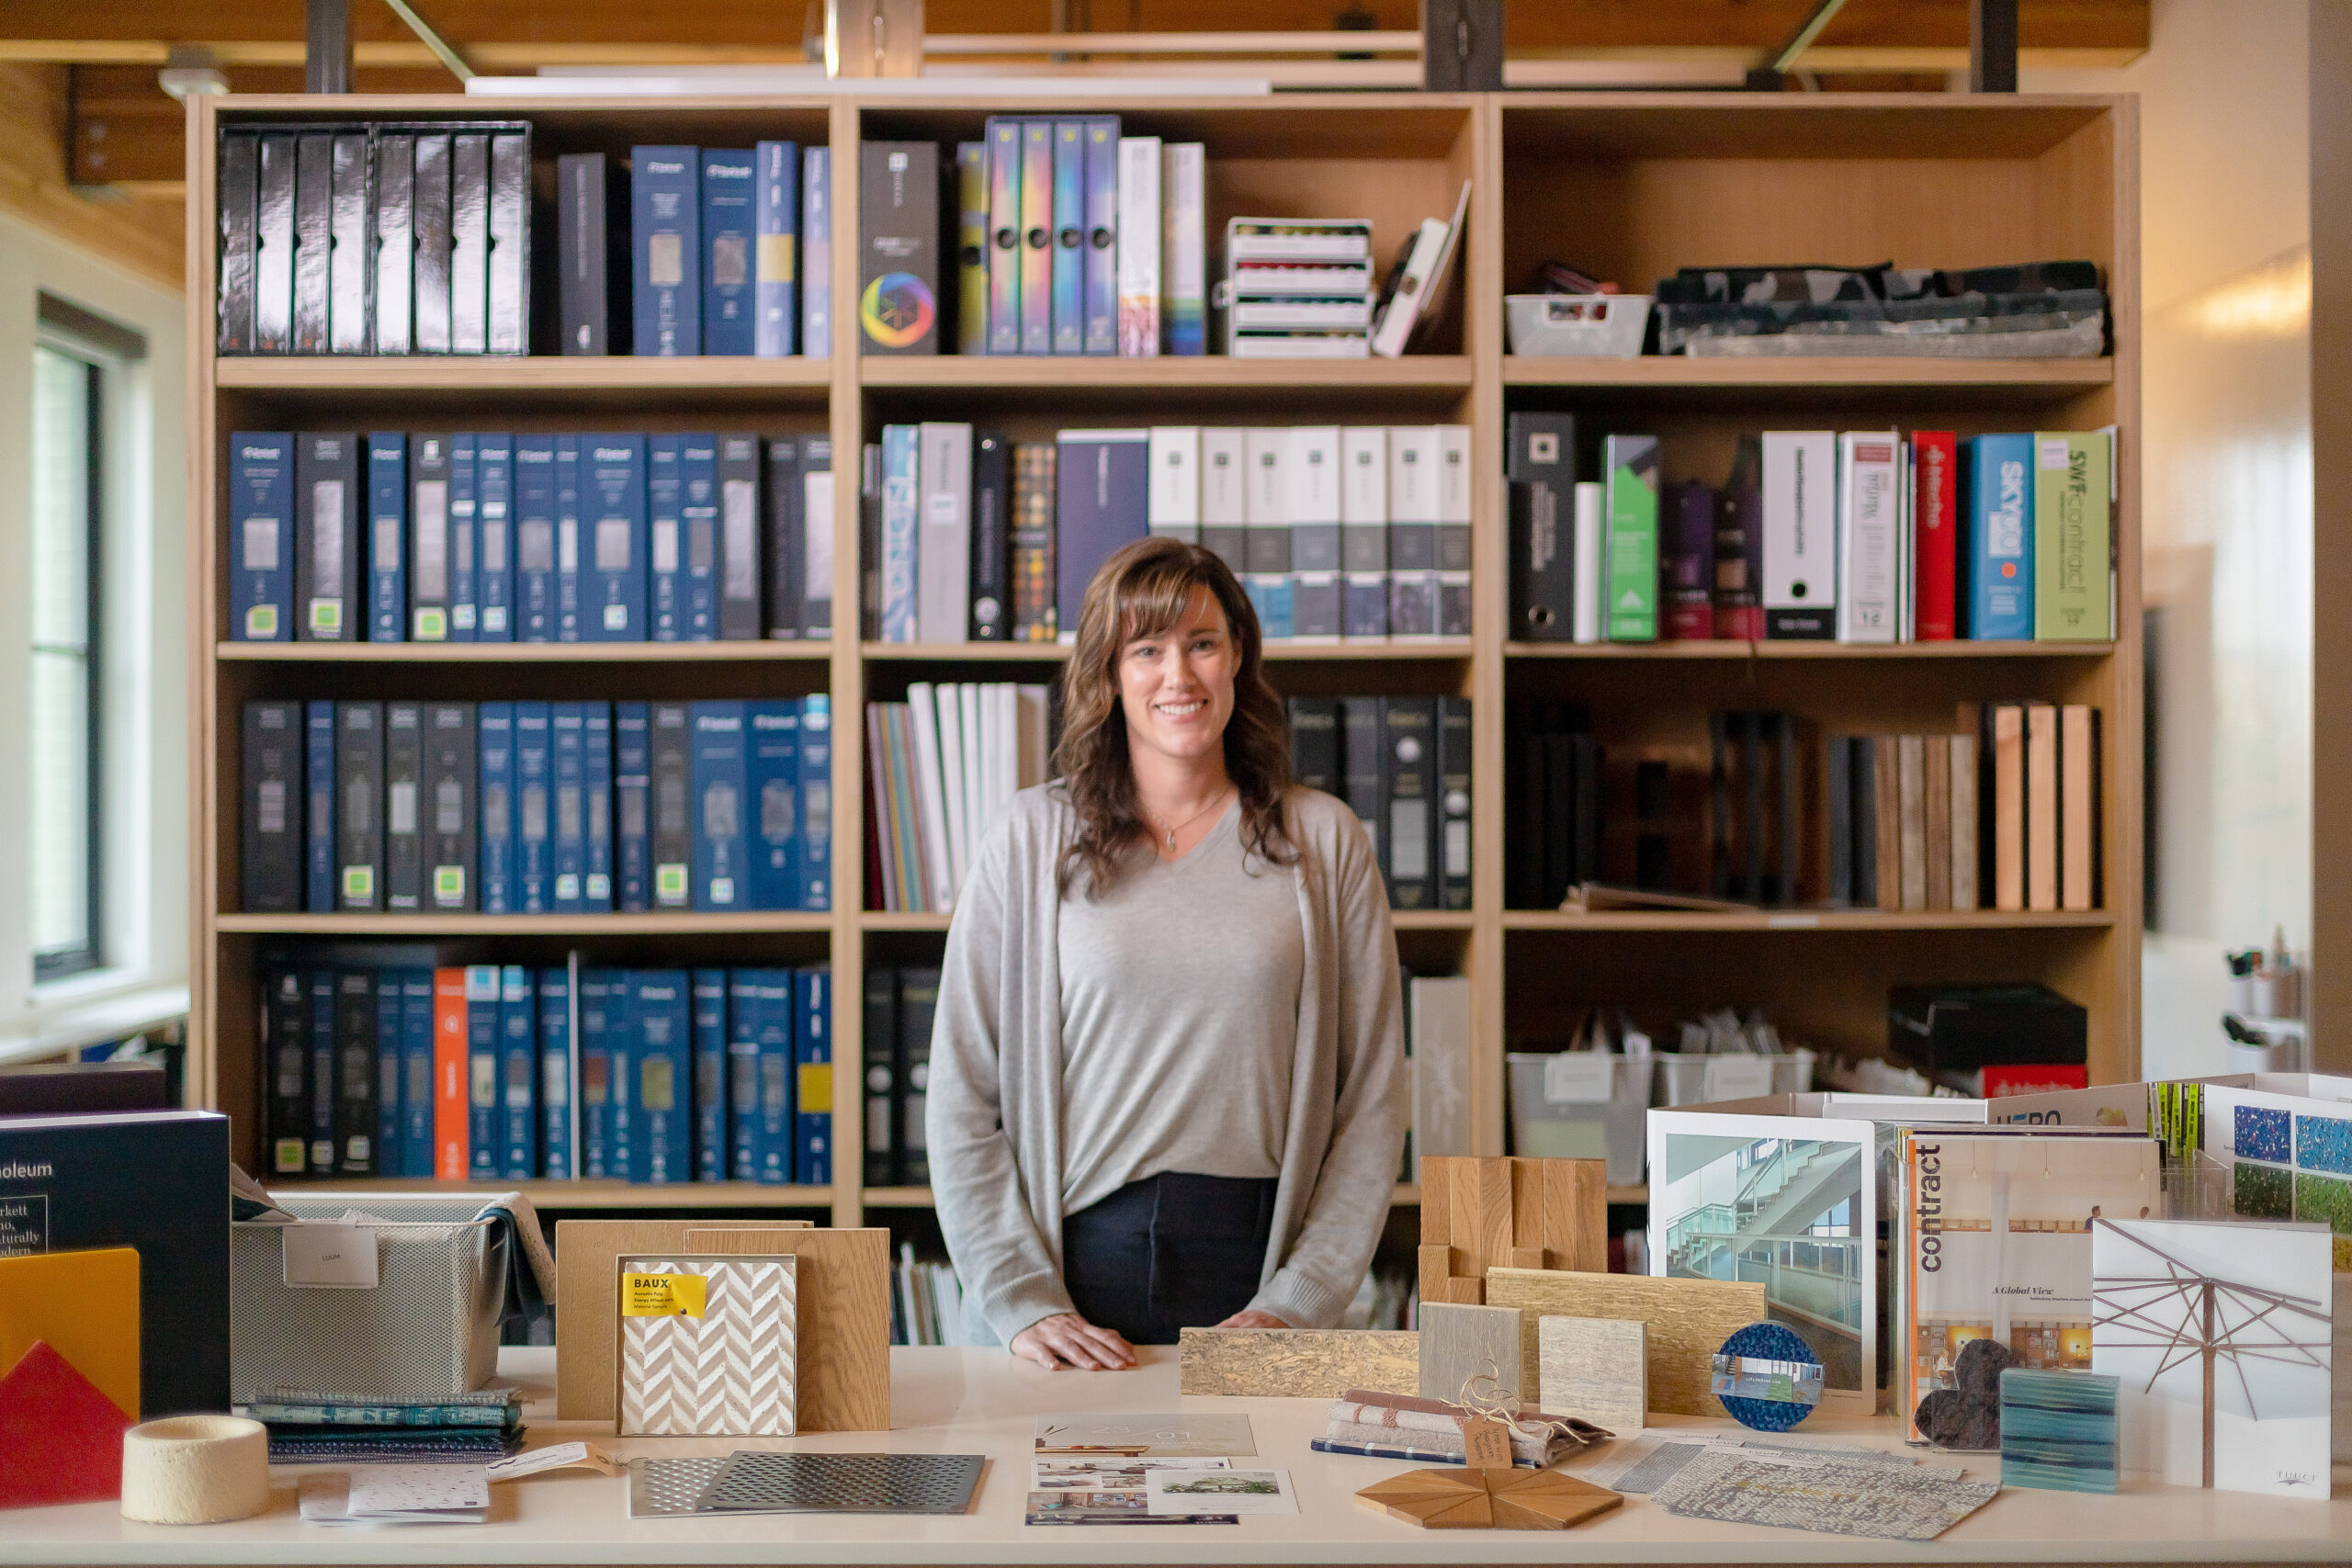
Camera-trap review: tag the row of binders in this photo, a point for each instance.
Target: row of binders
(941, 767)
(409, 238)
(1337, 532)
(2005, 815)
(1402, 764)
(715, 238)
(532, 807)
(1072, 240)
(900, 1004)
(478, 536)
(1861, 536)
(468, 1073)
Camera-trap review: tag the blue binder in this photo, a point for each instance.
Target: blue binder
(555, 1073)
(711, 1134)
(518, 1036)
(387, 536)
(261, 536)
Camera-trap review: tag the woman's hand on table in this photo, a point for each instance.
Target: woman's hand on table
(1251, 1317)
(1067, 1339)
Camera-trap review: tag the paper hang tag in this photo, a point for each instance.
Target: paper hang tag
(324, 1254)
(1486, 1442)
(562, 1456)
(664, 1296)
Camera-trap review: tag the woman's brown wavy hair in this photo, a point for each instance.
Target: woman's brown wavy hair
(1140, 592)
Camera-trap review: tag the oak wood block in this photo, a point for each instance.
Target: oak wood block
(1436, 1267)
(1495, 1232)
(1297, 1363)
(1575, 1216)
(1525, 1258)
(844, 1314)
(1460, 1292)
(1686, 1323)
(1437, 1195)
(1527, 1211)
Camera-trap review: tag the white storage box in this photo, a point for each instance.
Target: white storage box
(1605, 326)
(1692, 1079)
(1580, 1105)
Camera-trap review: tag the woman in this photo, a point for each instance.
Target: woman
(1167, 1083)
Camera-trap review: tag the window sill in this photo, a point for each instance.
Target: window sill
(87, 1010)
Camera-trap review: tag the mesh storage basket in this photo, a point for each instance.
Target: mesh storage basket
(428, 1328)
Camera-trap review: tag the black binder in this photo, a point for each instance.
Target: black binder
(347, 247)
(787, 540)
(468, 242)
(239, 175)
(328, 565)
(592, 257)
(404, 844)
(269, 857)
(395, 236)
(354, 1072)
(359, 821)
(432, 224)
(313, 210)
(881, 1047)
(1315, 743)
(509, 325)
(430, 559)
(738, 538)
(274, 245)
(1541, 467)
(1408, 792)
(286, 1063)
(991, 548)
(445, 792)
(1453, 802)
(1361, 773)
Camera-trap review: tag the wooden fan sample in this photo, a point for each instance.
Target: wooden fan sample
(1488, 1499)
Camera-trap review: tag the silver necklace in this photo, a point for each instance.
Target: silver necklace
(1196, 816)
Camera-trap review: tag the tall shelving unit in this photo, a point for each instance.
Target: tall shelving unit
(1631, 185)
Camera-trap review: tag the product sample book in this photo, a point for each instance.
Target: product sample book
(710, 1346)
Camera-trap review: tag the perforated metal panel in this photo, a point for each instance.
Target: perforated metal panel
(427, 1330)
(669, 1486)
(845, 1484)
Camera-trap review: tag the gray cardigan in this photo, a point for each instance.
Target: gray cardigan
(994, 1118)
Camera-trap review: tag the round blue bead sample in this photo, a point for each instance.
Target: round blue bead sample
(1768, 1342)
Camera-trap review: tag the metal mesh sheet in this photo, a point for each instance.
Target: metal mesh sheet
(668, 1486)
(845, 1484)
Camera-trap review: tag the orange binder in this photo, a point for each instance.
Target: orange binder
(451, 1105)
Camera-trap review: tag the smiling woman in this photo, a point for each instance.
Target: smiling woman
(1166, 1085)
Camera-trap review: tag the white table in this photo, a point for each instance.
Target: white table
(950, 1401)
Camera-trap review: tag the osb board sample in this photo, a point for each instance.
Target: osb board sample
(844, 1314)
(1460, 1343)
(1297, 1363)
(1686, 1320)
(1487, 1499)
(1492, 1211)
(1596, 1368)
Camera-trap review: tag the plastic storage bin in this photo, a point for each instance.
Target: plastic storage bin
(1600, 326)
(1564, 1106)
(1691, 1079)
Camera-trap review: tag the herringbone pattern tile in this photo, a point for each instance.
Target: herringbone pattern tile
(730, 1373)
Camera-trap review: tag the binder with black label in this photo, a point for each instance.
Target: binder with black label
(1361, 773)
(468, 242)
(327, 500)
(274, 245)
(508, 327)
(269, 854)
(1541, 467)
(786, 543)
(285, 1065)
(347, 247)
(1315, 743)
(670, 752)
(1408, 792)
(394, 219)
(738, 538)
(313, 211)
(432, 225)
(404, 841)
(359, 785)
(240, 156)
(880, 1043)
(1453, 802)
(446, 800)
(354, 1072)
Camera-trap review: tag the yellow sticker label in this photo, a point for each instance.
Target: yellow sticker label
(817, 1088)
(775, 258)
(663, 1295)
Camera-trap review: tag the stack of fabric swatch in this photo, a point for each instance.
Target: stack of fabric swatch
(1428, 1432)
(311, 1427)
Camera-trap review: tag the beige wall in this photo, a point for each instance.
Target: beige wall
(2225, 248)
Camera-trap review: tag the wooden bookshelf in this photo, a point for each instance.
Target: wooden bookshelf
(1626, 186)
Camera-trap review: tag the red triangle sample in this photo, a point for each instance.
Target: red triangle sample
(61, 1439)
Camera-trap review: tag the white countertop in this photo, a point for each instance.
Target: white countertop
(949, 1400)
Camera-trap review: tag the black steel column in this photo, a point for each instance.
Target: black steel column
(1992, 46)
(326, 56)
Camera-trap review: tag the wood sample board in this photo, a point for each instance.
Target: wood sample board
(1686, 1322)
(844, 1314)
(1461, 1342)
(1479, 1213)
(1594, 1367)
(1297, 1363)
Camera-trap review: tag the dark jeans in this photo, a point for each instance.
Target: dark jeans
(1171, 1251)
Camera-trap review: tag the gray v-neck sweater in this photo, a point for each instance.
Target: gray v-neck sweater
(996, 1111)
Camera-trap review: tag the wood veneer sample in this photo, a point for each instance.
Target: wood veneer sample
(844, 1315)
(1687, 1322)
(1459, 1342)
(1297, 1363)
(1576, 1215)
(750, 1240)
(1596, 1368)
(1493, 1211)
(1488, 1499)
